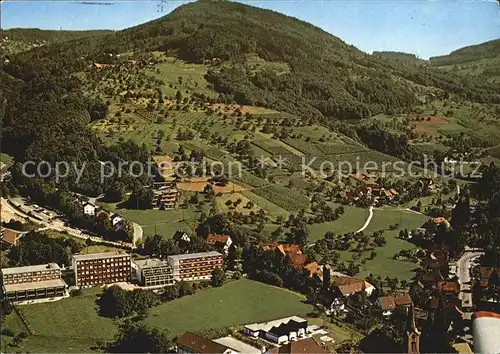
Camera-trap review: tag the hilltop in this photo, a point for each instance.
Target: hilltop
(481, 60)
(326, 78)
(400, 56)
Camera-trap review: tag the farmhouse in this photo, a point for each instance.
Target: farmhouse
(339, 287)
(224, 240)
(389, 303)
(278, 331)
(33, 283)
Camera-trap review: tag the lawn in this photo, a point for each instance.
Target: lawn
(238, 302)
(383, 264)
(69, 325)
(351, 221)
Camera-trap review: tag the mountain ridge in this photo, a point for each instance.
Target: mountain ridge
(328, 78)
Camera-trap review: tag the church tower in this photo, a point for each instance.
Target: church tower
(413, 335)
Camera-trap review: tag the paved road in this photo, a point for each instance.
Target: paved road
(367, 222)
(463, 273)
(21, 208)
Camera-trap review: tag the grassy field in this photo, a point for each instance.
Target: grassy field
(352, 219)
(69, 325)
(383, 264)
(164, 222)
(73, 324)
(239, 302)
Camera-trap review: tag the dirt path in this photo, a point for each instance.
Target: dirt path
(367, 222)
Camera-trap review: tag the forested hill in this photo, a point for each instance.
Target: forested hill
(487, 50)
(327, 79)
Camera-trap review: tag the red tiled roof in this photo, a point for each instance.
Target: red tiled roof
(433, 277)
(386, 303)
(212, 239)
(283, 248)
(10, 236)
(314, 269)
(198, 344)
(402, 299)
(303, 346)
(348, 285)
(298, 260)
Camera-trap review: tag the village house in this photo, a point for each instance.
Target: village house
(339, 287)
(293, 252)
(224, 240)
(9, 237)
(115, 219)
(364, 180)
(388, 304)
(191, 343)
(180, 235)
(303, 346)
(89, 209)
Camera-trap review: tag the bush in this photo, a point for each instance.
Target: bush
(7, 332)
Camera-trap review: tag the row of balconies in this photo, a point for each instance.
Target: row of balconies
(31, 274)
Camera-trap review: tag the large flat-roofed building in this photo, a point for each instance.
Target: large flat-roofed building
(195, 266)
(101, 268)
(33, 283)
(153, 272)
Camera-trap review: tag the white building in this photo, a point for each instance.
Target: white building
(278, 331)
(89, 209)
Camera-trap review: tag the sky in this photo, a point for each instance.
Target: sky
(422, 27)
